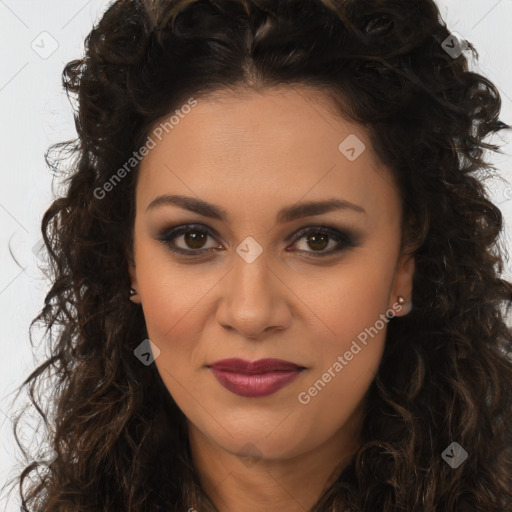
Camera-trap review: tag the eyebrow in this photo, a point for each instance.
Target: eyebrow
(287, 214)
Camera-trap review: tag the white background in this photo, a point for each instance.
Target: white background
(35, 113)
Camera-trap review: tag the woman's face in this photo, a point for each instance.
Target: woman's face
(259, 281)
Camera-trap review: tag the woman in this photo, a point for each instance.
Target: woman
(276, 266)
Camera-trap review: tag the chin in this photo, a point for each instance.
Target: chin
(260, 445)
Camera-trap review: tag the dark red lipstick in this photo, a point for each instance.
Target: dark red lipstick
(254, 378)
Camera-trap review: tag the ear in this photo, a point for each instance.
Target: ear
(402, 285)
(132, 271)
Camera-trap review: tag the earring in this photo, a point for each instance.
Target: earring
(132, 292)
(401, 300)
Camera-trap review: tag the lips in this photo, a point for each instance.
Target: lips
(260, 366)
(254, 378)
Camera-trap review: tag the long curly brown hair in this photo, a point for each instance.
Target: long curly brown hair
(120, 440)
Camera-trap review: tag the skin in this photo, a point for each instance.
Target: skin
(253, 154)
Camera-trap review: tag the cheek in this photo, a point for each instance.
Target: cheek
(346, 364)
(351, 336)
(174, 326)
(171, 293)
(353, 296)
(173, 303)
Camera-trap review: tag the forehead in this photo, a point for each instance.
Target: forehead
(275, 145)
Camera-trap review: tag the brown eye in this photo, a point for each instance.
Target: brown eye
(317, 240)
(193, 240)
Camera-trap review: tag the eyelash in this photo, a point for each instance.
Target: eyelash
(345, 238)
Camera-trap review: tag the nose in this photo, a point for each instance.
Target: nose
(254, 299)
